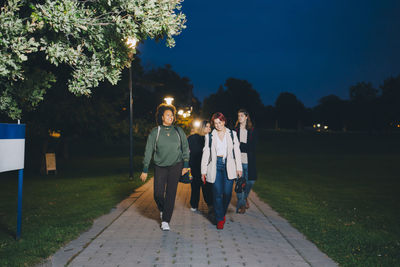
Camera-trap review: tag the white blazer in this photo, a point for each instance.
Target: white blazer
(232, 164)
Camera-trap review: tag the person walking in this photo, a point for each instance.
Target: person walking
(220, 165)
(247, 136)
(169, 145)
(196, 145)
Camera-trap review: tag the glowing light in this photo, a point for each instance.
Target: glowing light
(325, 127)
(318, 125)
(55, 134)
(131, 42)
(180, 112)
(196, 123)
(169, 100)
(185, 115)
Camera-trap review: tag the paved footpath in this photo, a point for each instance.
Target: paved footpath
(131, 236)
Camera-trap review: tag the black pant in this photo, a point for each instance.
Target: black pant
(196, 184)
(165, 184)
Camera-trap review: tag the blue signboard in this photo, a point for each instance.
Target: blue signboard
(12, 155)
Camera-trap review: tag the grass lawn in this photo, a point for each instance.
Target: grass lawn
(57, 208)
(341, 190)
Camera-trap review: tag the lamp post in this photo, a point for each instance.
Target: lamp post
(169, 100)
(131, 42)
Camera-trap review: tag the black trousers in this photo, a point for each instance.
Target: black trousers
(196, 184)
(165, 184)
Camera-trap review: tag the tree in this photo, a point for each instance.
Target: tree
(363, 107)
(362, 92)
(331, 111)
(238, 94)
(167, 82)
(290, 111)
(88, 38)
(390, 101)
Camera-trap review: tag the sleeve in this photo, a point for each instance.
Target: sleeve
(206, 155)
(253, 141)
(185, 148)
(148, 152)
(236, 150)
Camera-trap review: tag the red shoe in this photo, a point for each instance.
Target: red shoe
(220, 225)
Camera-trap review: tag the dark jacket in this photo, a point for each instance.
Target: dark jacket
(196, 144)
(250, 149)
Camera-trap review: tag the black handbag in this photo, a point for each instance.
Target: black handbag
(186, 178)
(240, 184)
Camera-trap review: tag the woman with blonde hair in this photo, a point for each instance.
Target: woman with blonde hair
(196, 144)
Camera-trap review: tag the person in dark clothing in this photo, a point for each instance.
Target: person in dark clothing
(247, 137)
(196, 145)
(168, 146)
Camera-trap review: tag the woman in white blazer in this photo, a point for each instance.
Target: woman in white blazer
(221, 164)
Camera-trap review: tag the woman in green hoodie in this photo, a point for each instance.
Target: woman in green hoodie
(170, 147)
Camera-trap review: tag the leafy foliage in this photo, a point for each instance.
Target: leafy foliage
(289, 110)
(89, 37)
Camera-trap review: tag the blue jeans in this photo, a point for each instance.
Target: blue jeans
(249, 184)
(222, 190)
(247, 190)
(241, 199)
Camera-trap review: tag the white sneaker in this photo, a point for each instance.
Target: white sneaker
(165, 226)
(161, 215)
(193, 209)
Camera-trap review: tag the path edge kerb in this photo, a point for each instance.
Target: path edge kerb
(306, 249)
(68, 252)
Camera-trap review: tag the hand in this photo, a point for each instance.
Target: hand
(184, 171)
(239, 173)
(203, 178)
(143, 176)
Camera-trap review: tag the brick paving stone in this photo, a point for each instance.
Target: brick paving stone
(131, 236)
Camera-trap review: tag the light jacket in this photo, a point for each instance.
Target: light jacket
(233, 164)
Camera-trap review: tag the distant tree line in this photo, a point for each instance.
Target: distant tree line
(367, 109)
(104, 115)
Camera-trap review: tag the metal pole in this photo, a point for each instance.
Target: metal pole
(130, 125)
(20, 180)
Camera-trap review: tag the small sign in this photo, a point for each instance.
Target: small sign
(51, 162)
(12, 154)
(12, 146)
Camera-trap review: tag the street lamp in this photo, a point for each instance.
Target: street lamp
(131, 43)
(197, 123)
(169, 100)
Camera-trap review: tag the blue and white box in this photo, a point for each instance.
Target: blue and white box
(12, 147)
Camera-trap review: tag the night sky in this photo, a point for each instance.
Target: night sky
(311, 48)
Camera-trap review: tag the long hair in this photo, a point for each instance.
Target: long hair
(203, 126)
(249, 124)
(160, 112)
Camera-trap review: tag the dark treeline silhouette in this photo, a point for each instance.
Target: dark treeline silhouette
(236, 94)
(103, 116)
(367, 109)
